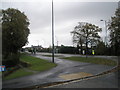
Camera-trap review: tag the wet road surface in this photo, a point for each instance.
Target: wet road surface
(63, 67)
(106, 81)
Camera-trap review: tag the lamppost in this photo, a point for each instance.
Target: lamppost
(105, 31)
(52, 33)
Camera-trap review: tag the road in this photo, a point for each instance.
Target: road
(64, 67)
(115, 58)
(106, 81)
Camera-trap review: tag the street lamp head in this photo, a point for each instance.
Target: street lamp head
(101, 20)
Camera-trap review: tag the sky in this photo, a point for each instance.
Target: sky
(67, 14)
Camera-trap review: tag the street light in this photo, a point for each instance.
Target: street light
(52, 33)
(105, 30)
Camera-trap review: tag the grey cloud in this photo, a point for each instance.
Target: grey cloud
(77, 10)
(67, 14)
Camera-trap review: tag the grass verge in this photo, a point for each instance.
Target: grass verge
(36, 64)
(16, 74)
(93, 60)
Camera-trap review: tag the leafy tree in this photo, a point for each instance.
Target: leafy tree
(114, 28)
(0, 47)
(85, 34)
(100, 48)
(15, 33)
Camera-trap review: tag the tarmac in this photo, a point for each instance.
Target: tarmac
(106, 81)
(65, 70)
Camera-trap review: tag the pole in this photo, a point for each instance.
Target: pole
(52, 33)
(106, 33)
(86, 47)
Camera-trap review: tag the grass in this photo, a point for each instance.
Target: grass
(93, 60)
(37, 64)
(16, 74)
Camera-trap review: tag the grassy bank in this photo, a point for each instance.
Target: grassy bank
(36, 64)
(16, 74)
(92, 60)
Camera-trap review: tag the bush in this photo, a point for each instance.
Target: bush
(11, 60)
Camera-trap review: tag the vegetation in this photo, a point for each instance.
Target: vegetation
(100, 49)
(67, 49)
(36, 65)
(84, 34)
(114, 28)
(16, 74)
(92, 60)
(15, 32)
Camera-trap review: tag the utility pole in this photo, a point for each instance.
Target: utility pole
(52, 33)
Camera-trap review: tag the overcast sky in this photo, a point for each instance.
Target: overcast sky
(66, 14)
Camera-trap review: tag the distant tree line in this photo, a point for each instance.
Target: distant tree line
(67, 49)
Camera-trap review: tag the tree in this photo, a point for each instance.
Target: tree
(67, 49)
(114, 28)
(15, 33)
(100, 48)
(85, 34)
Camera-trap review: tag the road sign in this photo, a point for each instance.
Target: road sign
(2, 68)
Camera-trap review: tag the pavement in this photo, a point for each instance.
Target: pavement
(64, 67)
